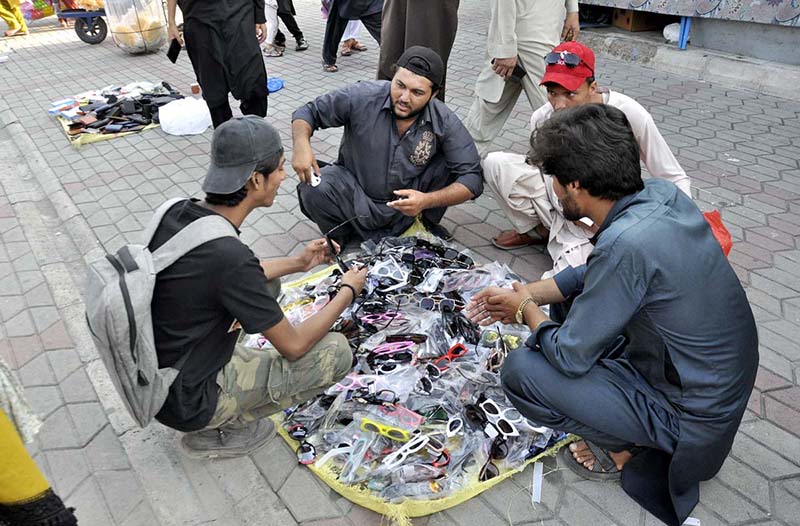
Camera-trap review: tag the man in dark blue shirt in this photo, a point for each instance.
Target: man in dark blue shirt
(403, 153)
(655, 360)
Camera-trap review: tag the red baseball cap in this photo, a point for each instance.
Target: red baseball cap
(565, 74)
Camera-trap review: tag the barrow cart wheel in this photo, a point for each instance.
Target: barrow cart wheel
(91, 30)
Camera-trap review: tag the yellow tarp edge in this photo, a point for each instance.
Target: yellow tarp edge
(401, 512)
(89, 138)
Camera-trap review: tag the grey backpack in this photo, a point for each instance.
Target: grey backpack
(119, 292)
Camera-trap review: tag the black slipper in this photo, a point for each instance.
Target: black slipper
(603, 469)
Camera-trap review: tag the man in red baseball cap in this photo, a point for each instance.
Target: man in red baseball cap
(526, 195)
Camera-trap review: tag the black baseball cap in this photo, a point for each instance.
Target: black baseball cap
(424, 62)
(237, 147)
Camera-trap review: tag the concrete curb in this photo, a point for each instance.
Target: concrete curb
(78, 243)
(760, 76)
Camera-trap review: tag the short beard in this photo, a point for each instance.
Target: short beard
(411, 115)
(571, 212)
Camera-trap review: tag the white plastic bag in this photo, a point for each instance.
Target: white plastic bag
(187, 116)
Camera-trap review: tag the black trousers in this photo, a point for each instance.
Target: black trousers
(227, 66)
(335, 28)
(255, 105)
(291, 24)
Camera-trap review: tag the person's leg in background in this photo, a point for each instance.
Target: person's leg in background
(291, 24)
(334, 30)
(271, 13)
(534, 65)
(258, 100)
(486, 119)
(12, 16)
(349, 42)
(522, 196)
(199, 40)
(373, 25)
(393, 34)
(25, 495)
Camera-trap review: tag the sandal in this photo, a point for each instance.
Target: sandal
(346, 51)
(16, 32)
(330, 68)
(511, 239)
(358, 46)
(272, 51)
(603, 469)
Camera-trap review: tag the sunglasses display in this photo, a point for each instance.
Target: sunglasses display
(422, 403)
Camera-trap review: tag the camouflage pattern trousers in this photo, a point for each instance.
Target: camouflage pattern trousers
(259, 382)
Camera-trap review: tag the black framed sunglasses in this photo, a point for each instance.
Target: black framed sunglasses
(335, 253)
(565, 58)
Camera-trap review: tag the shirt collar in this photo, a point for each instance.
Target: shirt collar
(616, 210)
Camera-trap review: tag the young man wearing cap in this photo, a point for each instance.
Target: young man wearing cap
(527, 196)
(202, 301)
(521, 33)
(403, 154)
(654, 364)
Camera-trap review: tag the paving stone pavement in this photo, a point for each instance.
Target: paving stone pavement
(60, 207)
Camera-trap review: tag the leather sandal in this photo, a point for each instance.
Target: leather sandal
(510, 239)
(603, 469)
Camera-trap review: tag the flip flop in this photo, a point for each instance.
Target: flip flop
(330, 68)
(603, 469)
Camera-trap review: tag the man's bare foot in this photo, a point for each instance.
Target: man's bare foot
(581, 452)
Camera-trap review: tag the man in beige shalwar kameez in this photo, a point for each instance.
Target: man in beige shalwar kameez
(520, 31)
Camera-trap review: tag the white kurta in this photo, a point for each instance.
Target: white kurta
(528, 198)
(527, 29)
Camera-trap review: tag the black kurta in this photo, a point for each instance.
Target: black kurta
(222, 45)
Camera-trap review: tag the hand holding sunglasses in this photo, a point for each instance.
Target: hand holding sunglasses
(318, 252)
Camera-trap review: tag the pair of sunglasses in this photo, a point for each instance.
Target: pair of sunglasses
(564, 58)
(456, 351)
(306, 452)
(497, 451)
(394, 433)
(393, 347)
(502, 419)
(441, 303)
(407, 337)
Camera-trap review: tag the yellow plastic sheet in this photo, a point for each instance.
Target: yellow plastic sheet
(89, 138)
(401, 513)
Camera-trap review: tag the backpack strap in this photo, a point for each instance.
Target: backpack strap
(198, 232)
(152, 226)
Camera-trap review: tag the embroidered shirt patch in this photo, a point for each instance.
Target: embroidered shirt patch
(422, 152)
